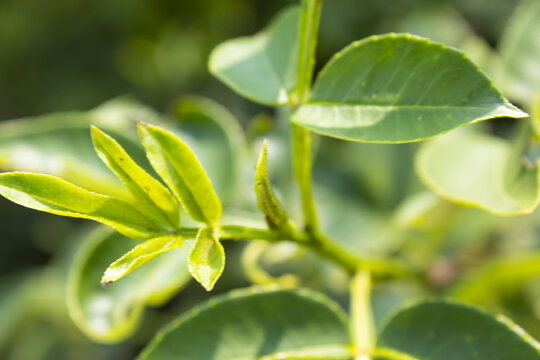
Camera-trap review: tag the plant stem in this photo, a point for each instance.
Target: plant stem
(301, 161)
(300, 137)
(317, 242)
(307, 39)
(362, 328)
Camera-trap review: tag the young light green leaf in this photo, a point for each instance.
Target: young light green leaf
(176, 164)
(113, 313)
(138, 256)
(207, 259)
(263, 68)
(267, 201)
(400, 88)
(256, 324)
(520, 52)
(473, 169)
(51, 194)
(440, 330)
(152, 198)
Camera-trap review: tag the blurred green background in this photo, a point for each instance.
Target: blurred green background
(59, 55)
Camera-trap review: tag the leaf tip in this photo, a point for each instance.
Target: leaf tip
(104, 283)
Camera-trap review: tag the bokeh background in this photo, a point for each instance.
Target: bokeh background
(59, 55)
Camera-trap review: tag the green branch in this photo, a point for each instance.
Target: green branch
(362, 327)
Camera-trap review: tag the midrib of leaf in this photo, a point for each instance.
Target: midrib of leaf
(172, 163)
(62, 210)
(415, 106)
(322, 352)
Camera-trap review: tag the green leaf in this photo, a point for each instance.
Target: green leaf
(471, 168)
(174, 161)
(51, 194)
(206, 259)
(138, 256)
(439, 330)
(112, 314)
(399, 88)
(520, 52)
(267, 201)
(217, 138)
(263, 68)
(264, 325)
(151, 198)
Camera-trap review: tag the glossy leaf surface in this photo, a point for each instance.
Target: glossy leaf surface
(151, 198)
(262, 67)
(256, 325)
(439, 330)
(112, 314)
(176, 164)
(56, 196)
(206, 259)
(399, 88)
(138, 256)
(471, 168)
(520, 52)
(268, 203)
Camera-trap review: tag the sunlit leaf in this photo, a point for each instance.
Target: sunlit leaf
(400, 88)
(262, 67)
(256, 325)
(439, 330)
(176, 164)
(151, 198)
(268, 203)
(473, 168)
(520, 51)
(51, 194)
(112, 314)
(207, 259)
(138, 256)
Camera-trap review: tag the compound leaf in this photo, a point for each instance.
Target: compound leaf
(440, 330)
(474, 169)
(262, 67)
(51, 194)
(267, 201)
(112, 314)
(151, 198)
(138, 256)
(207, 259)
(248, 324)
(400, 88)
(176, 164)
